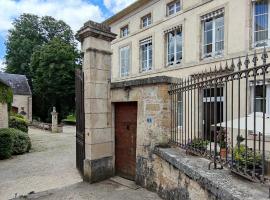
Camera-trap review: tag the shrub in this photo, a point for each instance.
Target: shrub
(13, 142)
(18, 123)
(13, 114)
(21, 142)
(6, 144)
(70, 119)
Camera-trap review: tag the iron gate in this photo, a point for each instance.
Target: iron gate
(80, 125)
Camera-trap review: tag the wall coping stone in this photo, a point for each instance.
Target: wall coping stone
(97, 30)
(221, 183)
(145, 81)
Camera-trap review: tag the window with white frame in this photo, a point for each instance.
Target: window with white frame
(124, 31)
(261, 102)
(261, 23)
(174, 46)
(173, 7)
(213, 34)
(146, 21)
(146, 54)
(180, 110)
(125, 61)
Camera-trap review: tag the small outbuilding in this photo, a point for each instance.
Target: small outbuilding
(22, 95)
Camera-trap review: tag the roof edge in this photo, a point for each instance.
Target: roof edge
(125, 11)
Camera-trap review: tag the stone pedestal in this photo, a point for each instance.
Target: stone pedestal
(96, 47)
(54, 121)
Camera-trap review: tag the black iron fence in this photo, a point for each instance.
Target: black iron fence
(223, 114)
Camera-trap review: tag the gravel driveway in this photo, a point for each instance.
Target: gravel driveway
(49, 165)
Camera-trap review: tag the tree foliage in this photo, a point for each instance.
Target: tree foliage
(44, 49)
(53, 84)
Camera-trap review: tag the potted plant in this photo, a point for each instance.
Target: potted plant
(221, 139)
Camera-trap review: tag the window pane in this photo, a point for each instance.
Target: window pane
(208, 37)
(208, 25)
(261, 7)
(208, 49)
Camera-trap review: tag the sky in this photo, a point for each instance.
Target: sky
(73, 12)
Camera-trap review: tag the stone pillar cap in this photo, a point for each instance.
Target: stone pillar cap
(97, 30)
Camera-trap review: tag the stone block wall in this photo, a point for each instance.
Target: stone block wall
(3, 115)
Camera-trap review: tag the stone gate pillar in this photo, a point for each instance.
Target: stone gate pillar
(96, 40)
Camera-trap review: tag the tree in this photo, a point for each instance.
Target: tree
(53, 84)
(21, 42)
(44, 49)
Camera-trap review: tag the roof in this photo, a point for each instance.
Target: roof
(17, 82)
(137, 4)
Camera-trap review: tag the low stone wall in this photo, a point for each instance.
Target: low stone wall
(45, 126)
(174, 175)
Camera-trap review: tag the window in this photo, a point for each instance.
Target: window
(125, 61)
(173, 7)
(146, 54)
(146, 21)
(124, 31)
(213, 35)
(180, 110)
(174, 47)
(261, 103)
(261, 23)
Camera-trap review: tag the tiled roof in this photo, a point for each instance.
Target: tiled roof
(17, 82)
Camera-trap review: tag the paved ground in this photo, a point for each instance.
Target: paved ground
(106, 190)
(49, 165)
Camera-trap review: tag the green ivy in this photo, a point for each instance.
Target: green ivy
(6, 95)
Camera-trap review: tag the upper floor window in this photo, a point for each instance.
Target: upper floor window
(146, 20)
(213, 34)
(125, 61)
(146, 54)
(174, 46)
(124, 31)
(261, 23)
(173, 7)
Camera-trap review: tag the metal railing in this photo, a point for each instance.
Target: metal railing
(222, 114)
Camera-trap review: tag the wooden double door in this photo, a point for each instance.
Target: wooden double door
(125, 139)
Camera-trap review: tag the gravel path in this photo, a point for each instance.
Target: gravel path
(49, 165)
(106, 190)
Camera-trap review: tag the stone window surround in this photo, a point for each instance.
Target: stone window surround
(130, 59)
(152, 36)
(213, 16)
(145, 16)
(173, 2)
(122, 31)
(168, 30)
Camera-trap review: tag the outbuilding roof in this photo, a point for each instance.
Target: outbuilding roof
(17, 82)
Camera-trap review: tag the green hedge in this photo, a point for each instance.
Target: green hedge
(13, 142)
(6, 144)
(18, 123)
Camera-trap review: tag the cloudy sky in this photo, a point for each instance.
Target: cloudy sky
(73, 12)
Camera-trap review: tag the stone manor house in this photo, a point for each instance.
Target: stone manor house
(165, 72)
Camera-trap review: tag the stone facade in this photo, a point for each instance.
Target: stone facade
(25, 102)
(3, 115)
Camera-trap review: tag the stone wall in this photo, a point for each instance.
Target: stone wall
(24, 101)
(175, 175)
(3, 115)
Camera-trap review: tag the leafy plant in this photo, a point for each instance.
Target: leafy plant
(221, 138)
(6, 94)
(70, 119)
(22, 142)
(246, 156)
(13, 142)
(198, 144)
(6, 144)
(18, 123)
